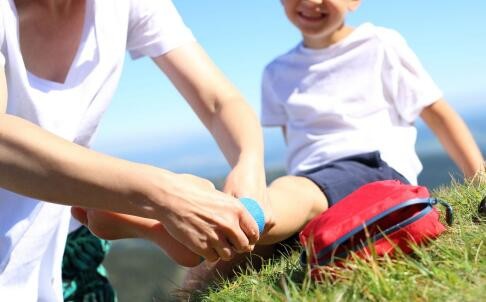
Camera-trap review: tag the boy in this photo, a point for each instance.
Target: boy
(346, 100)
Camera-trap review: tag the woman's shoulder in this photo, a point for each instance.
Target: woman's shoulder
(147, 5)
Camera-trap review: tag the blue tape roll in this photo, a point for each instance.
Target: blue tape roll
(256, 212)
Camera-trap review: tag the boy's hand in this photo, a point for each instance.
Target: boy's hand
(481, 176)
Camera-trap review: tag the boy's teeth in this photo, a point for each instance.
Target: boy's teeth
(313, 16)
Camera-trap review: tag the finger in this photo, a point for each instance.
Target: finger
(229, 225)
(172, 247)
(209, 255)
(239, 243)
(237, 239)
(205, 251)
(249, 226)
(223, 248)
(194, 240)
(80, 215)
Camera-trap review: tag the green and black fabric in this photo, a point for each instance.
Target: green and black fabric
(84, 278)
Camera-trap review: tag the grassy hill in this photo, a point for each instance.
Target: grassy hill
(452, 268)
(140, 271)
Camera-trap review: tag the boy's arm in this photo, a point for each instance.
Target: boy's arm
(455, 136)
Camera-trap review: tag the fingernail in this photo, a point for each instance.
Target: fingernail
(255, 235)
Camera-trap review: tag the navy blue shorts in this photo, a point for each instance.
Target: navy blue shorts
(341, 177)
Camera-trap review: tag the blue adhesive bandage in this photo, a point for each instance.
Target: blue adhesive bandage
(256, 212)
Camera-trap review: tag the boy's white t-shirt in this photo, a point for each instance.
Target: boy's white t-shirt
(362, 94)
(33, 233)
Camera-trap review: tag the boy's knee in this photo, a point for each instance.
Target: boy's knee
(299, 189)
(282, 183)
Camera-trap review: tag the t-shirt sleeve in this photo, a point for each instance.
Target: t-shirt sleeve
(272, 108)
(155, 28)
(407, 85)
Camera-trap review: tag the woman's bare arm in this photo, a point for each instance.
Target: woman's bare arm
(36, 163)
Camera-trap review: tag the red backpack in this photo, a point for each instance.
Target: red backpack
(384, 214)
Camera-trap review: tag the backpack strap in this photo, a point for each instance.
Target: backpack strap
(449, 211)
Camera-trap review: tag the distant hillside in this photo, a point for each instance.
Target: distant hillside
(199, 154)
(438, 170)
(140, 271)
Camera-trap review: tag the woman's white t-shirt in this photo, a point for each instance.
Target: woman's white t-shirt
(360, 95)
(33, 233)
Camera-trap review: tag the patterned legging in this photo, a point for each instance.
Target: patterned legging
(84, 278)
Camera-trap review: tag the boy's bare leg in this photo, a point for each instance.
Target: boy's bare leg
(295, 201)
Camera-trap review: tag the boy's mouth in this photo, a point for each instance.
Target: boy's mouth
(312, 16)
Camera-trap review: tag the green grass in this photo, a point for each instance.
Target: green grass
(451, 268)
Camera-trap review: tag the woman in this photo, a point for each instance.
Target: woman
(60, 63)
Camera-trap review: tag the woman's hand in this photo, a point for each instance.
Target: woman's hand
(209, 222)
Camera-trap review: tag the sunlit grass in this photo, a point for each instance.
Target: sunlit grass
(451, 268)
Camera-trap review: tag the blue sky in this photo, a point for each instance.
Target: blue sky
(148, 115)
